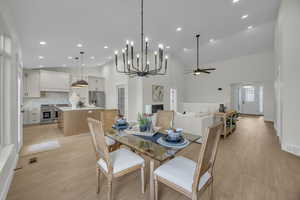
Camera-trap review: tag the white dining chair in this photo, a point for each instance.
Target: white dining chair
(113, 164)
(185, 175)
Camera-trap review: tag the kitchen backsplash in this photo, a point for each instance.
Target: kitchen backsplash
(46, 98)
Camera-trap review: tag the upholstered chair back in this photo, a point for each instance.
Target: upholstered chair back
(164, 119)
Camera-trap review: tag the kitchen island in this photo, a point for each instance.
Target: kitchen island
(73, 121)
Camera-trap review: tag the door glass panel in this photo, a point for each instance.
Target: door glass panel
(249, 93)
(173, 99)
(7, 45)
(121, 100)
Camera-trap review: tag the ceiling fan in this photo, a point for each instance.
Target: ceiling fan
(199, 70)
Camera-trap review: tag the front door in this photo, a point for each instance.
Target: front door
(250, 100)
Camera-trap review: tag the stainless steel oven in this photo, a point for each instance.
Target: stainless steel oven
(47, 115)
(49, 112)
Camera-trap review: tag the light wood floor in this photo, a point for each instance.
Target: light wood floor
(249, 166)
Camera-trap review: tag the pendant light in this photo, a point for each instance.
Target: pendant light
(80, 83)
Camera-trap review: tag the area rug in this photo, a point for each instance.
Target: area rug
(40, 147)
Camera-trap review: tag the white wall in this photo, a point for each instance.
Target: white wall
(287, 77)
(139, 90)
(173, 79)
(257, 68)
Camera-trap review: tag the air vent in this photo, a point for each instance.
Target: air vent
(32, 160)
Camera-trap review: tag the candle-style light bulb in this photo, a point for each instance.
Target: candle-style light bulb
(132, 43)
(161, 46)
(146, 39)
(137, 55)
(127, 41)
(166, 57)
(155, 52)
(123, 50)
(116, 52)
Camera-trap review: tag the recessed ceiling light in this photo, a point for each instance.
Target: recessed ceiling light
(212, 41)
(70, 57)
(105, 47)
(43, 43)
(250, 27)
(41, 66)
(168, 47)
(41, 57)
(187, 50)
(235, 1)
(79, 45)
(82, 65)
(178, 29)
(244, 16)
(92, 57)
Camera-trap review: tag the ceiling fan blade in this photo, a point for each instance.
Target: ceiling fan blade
(209, 69)
(205, 71)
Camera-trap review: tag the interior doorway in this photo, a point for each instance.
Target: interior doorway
(121, 99)
(248, 98)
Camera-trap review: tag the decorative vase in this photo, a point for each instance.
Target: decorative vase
(143, 128)
(74, 99)
(222, 108)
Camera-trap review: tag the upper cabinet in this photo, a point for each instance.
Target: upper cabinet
(52, 81)
(96, 83)
(31, 83)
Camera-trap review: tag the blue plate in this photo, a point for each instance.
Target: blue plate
(180, 139)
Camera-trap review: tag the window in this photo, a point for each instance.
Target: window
(1, 91)
(5, 77)
(261, 99)
(249, 93)
(1, 100)
(1, 43)
(7, 45)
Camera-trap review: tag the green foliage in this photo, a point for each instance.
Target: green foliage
(142, 119)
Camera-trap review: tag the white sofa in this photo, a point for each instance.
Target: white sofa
(201, 107)
(193, 123)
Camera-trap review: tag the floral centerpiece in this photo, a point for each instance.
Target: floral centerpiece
(144, 122)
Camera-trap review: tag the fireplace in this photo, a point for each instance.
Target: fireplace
(156, 108)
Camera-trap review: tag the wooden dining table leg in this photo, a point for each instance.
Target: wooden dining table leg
(152, 179)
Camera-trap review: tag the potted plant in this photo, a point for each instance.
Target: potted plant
(144, 122)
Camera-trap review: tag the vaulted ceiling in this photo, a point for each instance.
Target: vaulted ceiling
(62, 24)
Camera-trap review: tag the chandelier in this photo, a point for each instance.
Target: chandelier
(139, 65)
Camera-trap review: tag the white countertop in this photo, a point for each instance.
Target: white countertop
(82, 108)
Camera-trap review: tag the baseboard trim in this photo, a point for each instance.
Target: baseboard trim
(268, 120)
(293, 149)
(4, 190)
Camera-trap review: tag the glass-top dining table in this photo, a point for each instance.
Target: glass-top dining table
(150, 148)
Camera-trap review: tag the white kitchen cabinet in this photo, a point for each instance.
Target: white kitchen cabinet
(52, 81)
(31, 83)
(32, 116)
(96, 83)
